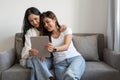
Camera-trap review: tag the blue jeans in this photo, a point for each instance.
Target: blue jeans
(39, 69)
(70, 69)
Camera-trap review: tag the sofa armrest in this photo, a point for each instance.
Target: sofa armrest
(112, 58)
(7, 59)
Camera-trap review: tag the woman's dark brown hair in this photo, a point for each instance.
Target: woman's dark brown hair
(51, 15)
(26, 23)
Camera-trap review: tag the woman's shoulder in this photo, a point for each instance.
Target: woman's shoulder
(67, 30)
(64, 28)
(32, 31)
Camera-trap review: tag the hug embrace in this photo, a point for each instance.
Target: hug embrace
(66, 61)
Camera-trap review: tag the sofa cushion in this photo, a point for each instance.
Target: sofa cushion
(87, 46)
(16, 72)
(100, 71)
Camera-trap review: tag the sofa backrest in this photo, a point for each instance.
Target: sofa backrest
(18, 46)
(100, 43)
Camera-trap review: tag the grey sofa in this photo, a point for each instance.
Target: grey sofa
(105, 66)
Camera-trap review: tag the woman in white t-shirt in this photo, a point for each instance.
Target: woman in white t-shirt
(68, 62)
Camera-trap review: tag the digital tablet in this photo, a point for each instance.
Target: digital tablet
(40, 43)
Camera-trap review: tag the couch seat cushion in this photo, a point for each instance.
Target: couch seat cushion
(16, 72)
(100, 71)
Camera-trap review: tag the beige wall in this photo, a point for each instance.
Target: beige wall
(91, 16)
(84, 16)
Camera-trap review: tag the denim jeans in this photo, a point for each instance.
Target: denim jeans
(70, 69)
(39, 69)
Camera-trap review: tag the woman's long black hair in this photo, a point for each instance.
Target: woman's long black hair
(26, 23)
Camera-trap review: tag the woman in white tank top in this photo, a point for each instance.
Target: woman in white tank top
(68, 63)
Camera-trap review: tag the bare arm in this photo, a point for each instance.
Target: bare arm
(67, 41)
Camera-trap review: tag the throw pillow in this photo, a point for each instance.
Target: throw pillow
(87, 46)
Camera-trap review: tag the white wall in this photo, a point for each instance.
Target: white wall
(84, 16)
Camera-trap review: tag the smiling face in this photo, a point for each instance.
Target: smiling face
(49, 24)
(34, 20)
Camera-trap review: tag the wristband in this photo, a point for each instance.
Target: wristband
(54, 50)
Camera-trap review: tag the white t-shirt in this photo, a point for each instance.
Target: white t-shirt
(70, 52)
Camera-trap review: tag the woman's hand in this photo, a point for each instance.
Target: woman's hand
(33, 52)
(42, 58)
(50, 47)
